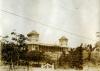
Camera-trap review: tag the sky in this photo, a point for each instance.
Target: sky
(78, 20)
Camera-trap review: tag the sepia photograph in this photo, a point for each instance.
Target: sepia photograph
(49, 35)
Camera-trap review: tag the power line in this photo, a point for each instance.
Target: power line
(38, 22)
(44, 24)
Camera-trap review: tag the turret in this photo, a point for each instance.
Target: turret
(98, 39)
(63, 41)
(33, 36)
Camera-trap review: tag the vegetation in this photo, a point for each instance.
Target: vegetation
(74, 59)
(15, 52)
(13, 49)
(77, 60)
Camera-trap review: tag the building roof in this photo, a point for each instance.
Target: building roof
(32, 33)
(45, 44)
(63, 38)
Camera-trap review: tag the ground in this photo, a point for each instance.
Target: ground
(6, 68)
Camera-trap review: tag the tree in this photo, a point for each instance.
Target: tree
(13, 49)
(77, 60)
(63, 60)
(71, 58)
(79, 57)
(36, 56)
(9, 54)
(90, 49)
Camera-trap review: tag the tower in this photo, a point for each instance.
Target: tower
(98, 36)
(33, 37)
(98, 39)
(63, 41)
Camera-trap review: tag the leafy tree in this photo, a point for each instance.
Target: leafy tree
(71, 58)
(64, 59)
(90, 49)
(9, 54)
(76, 58)
(13, 49)
(36, 56)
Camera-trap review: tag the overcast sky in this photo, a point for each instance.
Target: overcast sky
(78, 20)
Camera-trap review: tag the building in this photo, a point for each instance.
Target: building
(52, 50)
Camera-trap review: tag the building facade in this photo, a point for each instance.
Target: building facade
(54, 51)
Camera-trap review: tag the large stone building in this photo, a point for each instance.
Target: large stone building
(50, 49)
(54, 51)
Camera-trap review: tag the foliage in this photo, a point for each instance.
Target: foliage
(14, 48)
(35, 56)
(74, 59)
(9, 54)
(64, 59)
